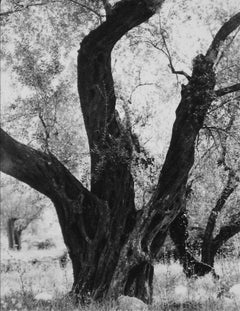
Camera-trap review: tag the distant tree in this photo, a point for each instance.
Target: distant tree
(20, 206)
(111, 244)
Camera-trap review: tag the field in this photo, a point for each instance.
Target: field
(26, 274)
(31, 271)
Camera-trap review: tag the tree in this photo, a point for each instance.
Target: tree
(20, 206)
(112, 245)
(210, 239)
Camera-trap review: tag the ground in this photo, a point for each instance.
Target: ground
(34, 271)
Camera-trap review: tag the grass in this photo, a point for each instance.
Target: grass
(27, 273)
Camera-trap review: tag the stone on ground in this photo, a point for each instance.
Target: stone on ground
(43, 296)
(235, 291)
(181, 292)
(127, 303)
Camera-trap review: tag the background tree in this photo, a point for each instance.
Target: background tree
(20, 206)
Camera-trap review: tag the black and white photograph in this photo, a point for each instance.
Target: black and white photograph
(120, 155)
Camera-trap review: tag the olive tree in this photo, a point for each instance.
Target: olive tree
(111, 244)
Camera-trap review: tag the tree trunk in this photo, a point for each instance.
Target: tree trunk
(179, 234)
(209, 245)
(14, 235)
(226, 232)
(10, 230)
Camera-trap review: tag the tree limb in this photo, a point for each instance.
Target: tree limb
(221, 36)
(228, 90)
(168, 54)
(39, 170)
(226, 192)
(179, 72)
(196, 99)
(225, 233)
(23, 8)
(87, 8)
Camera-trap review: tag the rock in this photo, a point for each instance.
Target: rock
(43, 296)
(235, 291)
(127, 303)
(228, 302)
(181, 292)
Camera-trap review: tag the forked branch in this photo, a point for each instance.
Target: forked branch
(25, 7)
(228, 90)
(39, 170)
(228, 27)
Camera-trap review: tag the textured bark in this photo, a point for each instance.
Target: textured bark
(209, 247)
(111, 177)
(210, 244)
(179, 234)
(111, 245)
(111, 147)
(153, 222)
(226, 232)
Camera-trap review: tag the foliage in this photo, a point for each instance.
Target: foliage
(21, 202)
(201, 293)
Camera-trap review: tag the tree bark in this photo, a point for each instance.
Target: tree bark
(209, 246)
(111, 145)
(225, 233)
(154, 220)
(179, 235)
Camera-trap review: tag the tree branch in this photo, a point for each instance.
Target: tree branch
(23, 8)
(228, 90)
(179, 72)
(88, 8)
(221, 36)
(225, 233)
(226, 192)
(196, 99)
(39, 170)
(168, 54)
